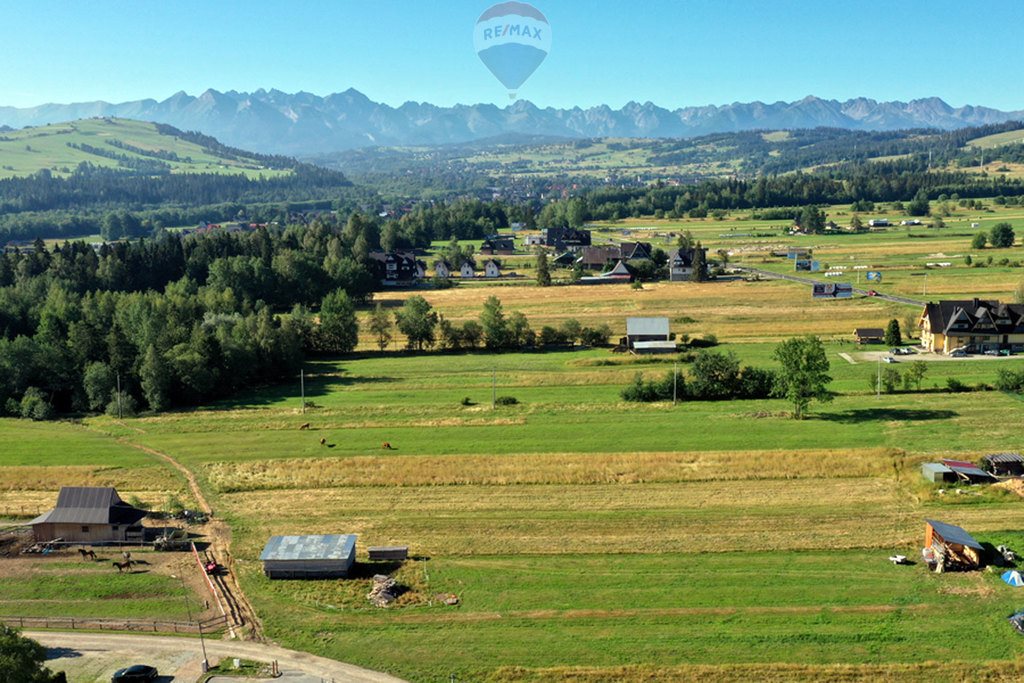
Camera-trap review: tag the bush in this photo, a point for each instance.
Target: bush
(506, 401)
(1008, 380)
(128, 405)
(955, 386)
(34, 405)
(640, 391)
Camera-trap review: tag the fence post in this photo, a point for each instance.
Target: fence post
(72, 623)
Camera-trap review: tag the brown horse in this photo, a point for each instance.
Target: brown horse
(387, 446)
(323, 441)
(304, 426)
(123, 566)
(86, 554)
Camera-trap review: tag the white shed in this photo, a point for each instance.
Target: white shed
(492, 269)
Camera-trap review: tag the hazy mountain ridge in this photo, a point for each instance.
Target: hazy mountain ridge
(305, 124)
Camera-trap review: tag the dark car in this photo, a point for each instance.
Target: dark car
(134, 674)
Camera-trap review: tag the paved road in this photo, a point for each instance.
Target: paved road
(72, 651)
(811, 281)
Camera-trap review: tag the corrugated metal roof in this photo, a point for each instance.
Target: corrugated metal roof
(936, 467)
(314, 547)
(90, 505)
(654, 345)
(647, 326)
(1004, 457)
(971, 472)
(954, 534)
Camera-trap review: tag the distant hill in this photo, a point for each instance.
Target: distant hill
(129, 146)
(303, 124)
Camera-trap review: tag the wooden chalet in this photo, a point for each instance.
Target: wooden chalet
(974, 325)
(869, 335)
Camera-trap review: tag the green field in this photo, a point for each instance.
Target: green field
(29, 150)
(589, 539)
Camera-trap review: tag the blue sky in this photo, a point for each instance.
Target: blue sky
(674, 53)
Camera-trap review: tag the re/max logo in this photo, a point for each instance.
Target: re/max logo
(512, 30)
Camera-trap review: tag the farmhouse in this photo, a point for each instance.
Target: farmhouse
(869, 335)
(648, 335)
(570, 239)
(949, 547)
(443, 269)
(596, 258)
(396, 267)
(466, 269)
(680, 263)
(492, 268)
(973, 325)
(1004, 464)
(88, 514)
(498, 245)
(329, 556)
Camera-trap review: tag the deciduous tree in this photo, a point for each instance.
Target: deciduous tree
(804, 375)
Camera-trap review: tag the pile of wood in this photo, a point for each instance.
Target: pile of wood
(385, 591)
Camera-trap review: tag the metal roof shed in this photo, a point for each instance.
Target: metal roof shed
(328, 556)
(1004, 464)
(951, 546)
(937, 472)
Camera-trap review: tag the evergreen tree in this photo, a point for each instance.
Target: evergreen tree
(700, 266)
(543, 274)
(492, 319)
(892, 334)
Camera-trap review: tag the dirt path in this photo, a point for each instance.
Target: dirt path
(117, 649)
(217, 531)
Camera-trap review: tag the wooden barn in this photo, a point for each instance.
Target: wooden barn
(1004, 464)
(88, 514)
(328, 556)
(949, 547)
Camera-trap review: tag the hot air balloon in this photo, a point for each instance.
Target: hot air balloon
(512, 39)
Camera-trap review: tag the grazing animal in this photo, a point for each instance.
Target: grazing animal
(127, 556)
(387, 446)
(304, 426)
(323, 441)
(123, 566)
(86, 554)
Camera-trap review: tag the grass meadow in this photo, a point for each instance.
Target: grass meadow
(589, 539)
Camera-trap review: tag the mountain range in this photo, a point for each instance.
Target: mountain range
(303, 124)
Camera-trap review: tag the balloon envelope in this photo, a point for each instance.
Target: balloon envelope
(512, 39)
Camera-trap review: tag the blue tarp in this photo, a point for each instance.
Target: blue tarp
(1013, 577)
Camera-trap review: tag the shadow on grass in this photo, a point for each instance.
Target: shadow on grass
(62, 653)
(861, 415)
(367, 570)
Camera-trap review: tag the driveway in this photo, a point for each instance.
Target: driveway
(89, 657)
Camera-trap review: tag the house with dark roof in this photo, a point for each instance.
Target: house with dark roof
(566, 239)
(397, 268)
(869, 335)
(680, 264)
(597, 258)
(974, 325)
(89, 514)
(498, 245)
(443, 269)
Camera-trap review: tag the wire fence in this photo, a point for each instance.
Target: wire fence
(211, 625)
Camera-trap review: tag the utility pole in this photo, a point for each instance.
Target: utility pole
(119, 415)
(675, 381)
(302, 389)
(924, 291)
(878, 382)
(494, 388)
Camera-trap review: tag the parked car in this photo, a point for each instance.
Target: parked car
(889, 359)
(137, 673)
(991, 352)
(958, 353)
(1005, 352)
